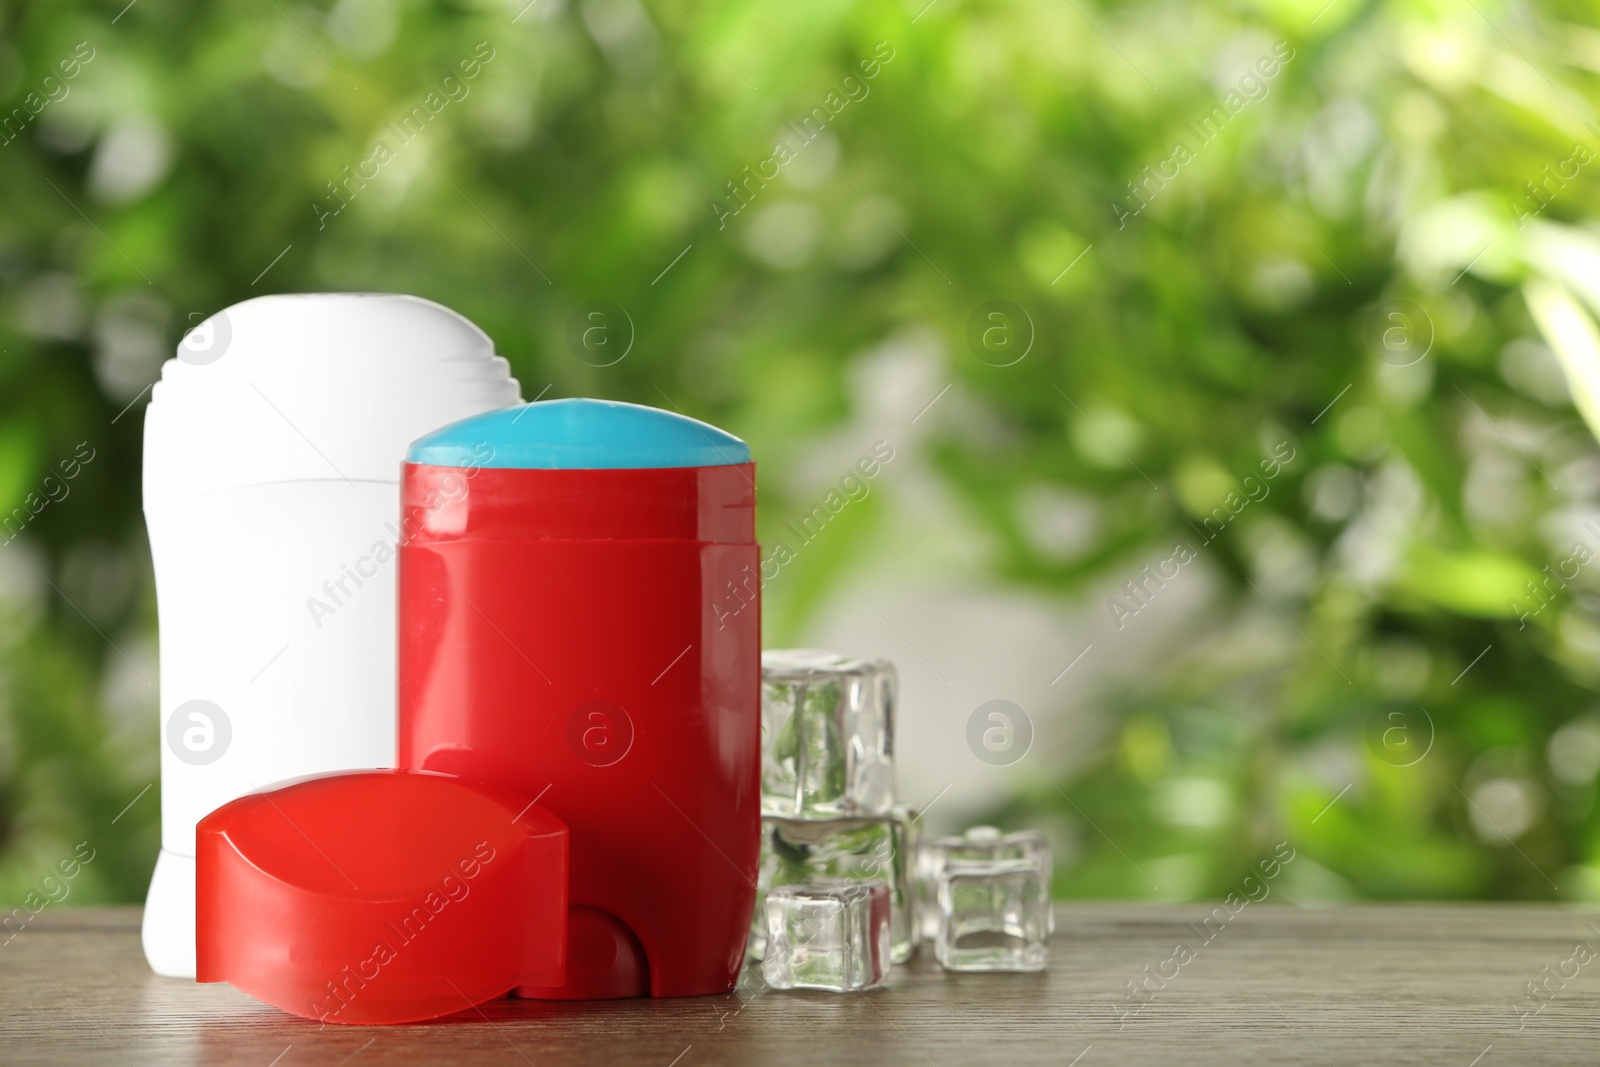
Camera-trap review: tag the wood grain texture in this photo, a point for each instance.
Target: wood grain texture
(1417, 984)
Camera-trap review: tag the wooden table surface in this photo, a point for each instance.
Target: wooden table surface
(1415, 984)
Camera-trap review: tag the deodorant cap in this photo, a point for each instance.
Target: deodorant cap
(313, 387)
(381, 896)
(579, 468)
(580, 434)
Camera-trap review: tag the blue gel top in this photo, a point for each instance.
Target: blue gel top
(578, 434)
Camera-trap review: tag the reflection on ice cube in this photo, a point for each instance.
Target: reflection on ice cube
(993, 915)
(980, 843)
(827, 734)
(828, 935)
(798, 852)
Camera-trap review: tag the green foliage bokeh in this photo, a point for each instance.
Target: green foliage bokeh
(1397, 161)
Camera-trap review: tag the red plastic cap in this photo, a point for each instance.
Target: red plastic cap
(381, 896)
(716, 505)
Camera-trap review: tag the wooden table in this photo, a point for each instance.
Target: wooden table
(1417, 984)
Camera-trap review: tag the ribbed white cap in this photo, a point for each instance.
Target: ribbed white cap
(314, 386)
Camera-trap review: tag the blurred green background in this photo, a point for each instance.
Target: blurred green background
(1354, 233)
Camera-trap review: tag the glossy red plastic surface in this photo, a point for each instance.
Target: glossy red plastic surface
(711, 504)
(381, 896)
(604, 961)
(592, 638)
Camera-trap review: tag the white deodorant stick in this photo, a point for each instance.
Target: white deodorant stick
(272, 453)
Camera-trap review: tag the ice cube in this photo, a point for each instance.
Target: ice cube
(994, 915)
(820, 851)
(905, 930)
(978, 843)
(827, 734)
(827, 935)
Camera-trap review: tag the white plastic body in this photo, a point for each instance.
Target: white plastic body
(272, 499)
